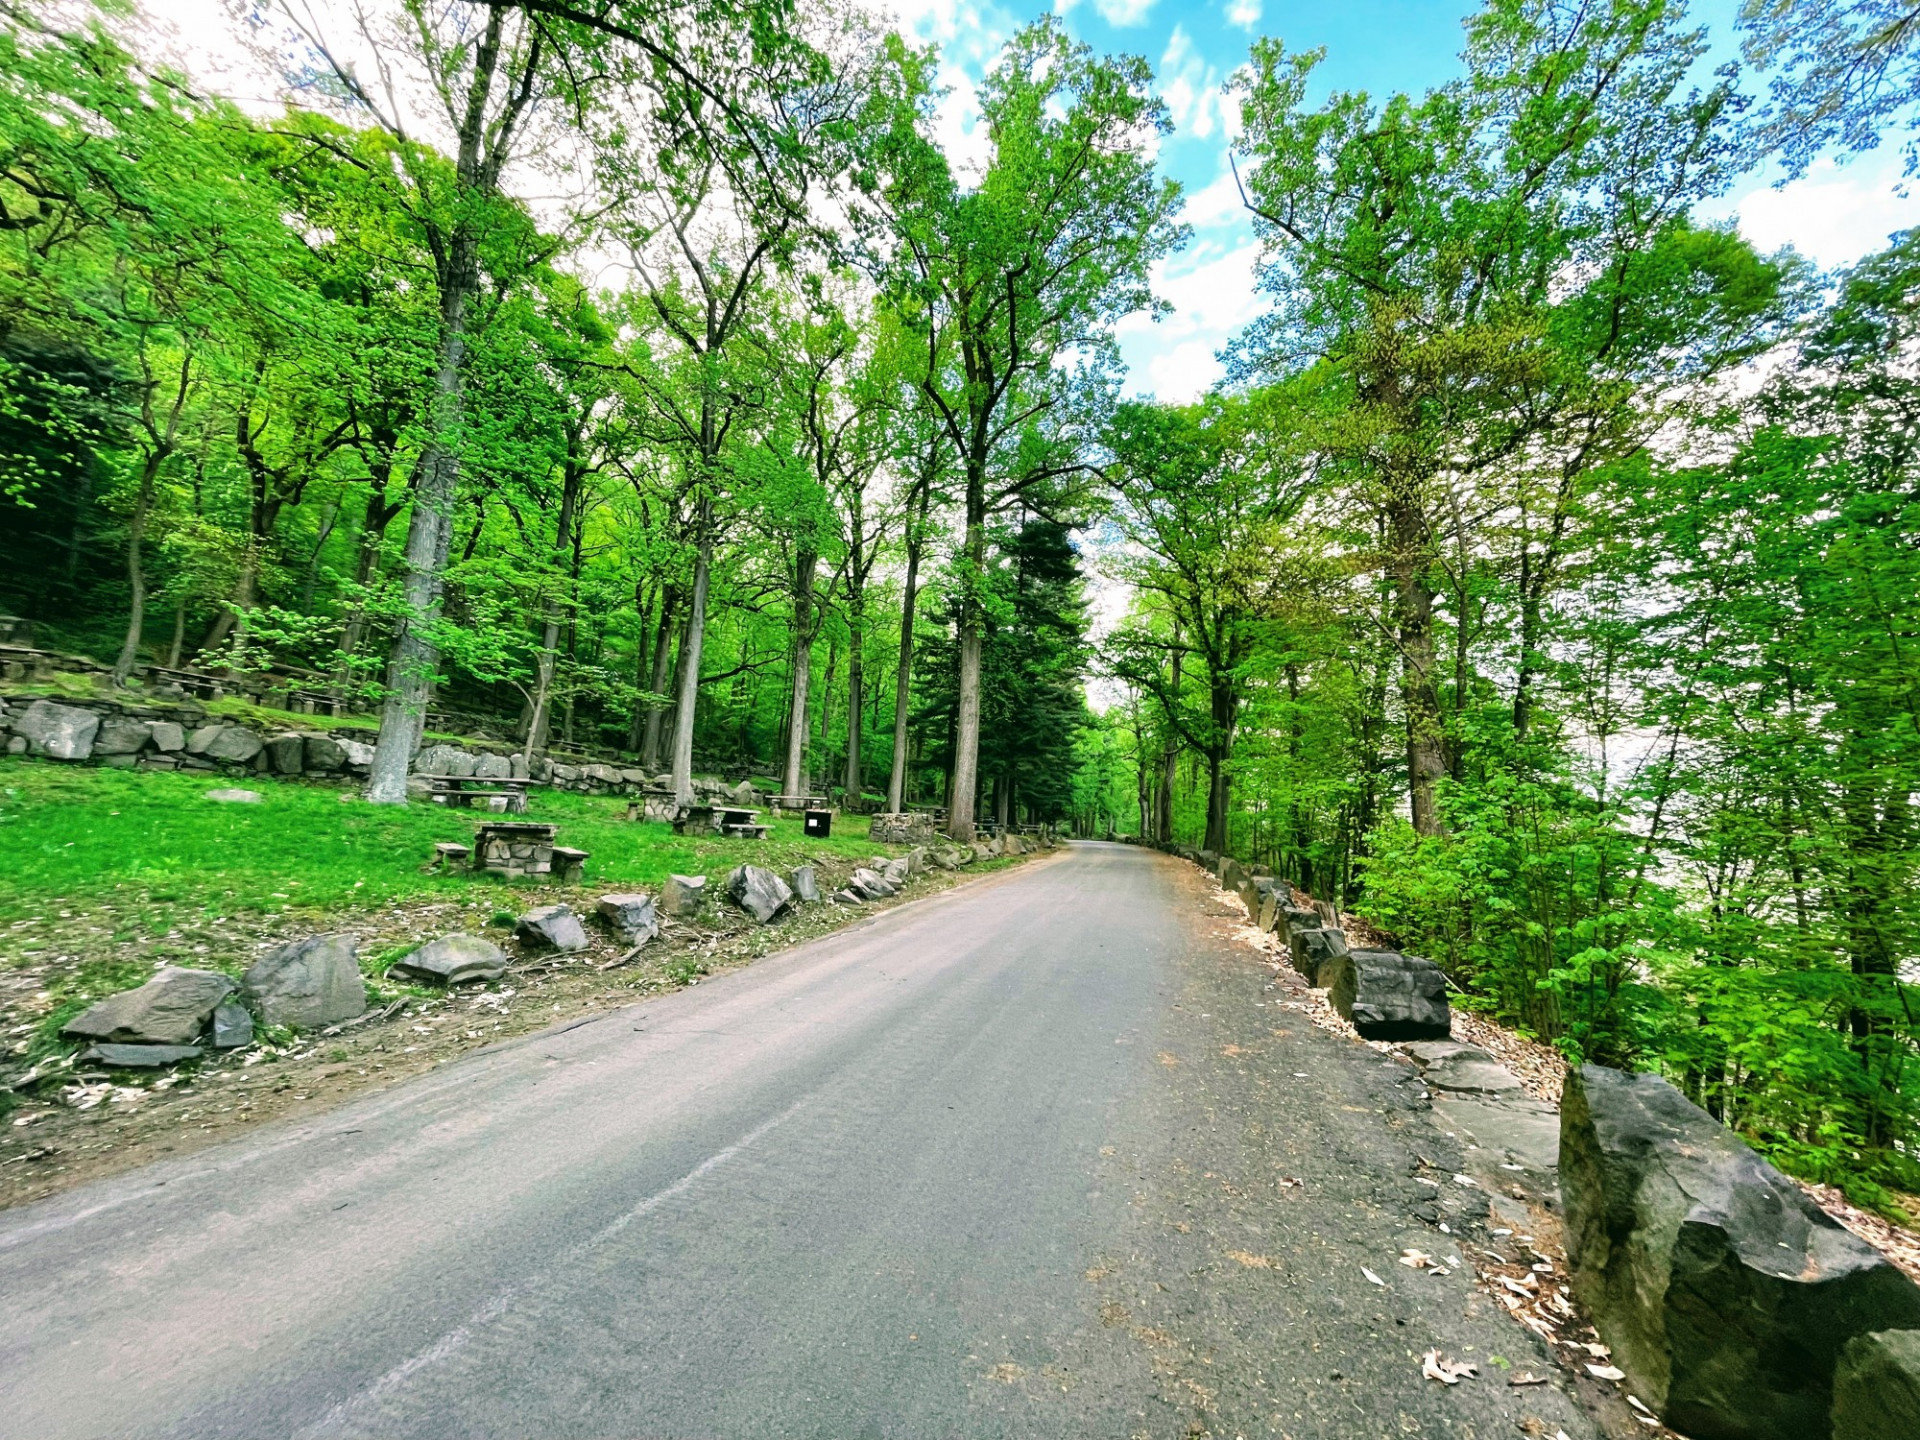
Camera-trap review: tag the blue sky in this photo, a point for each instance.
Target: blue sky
(1833, 216)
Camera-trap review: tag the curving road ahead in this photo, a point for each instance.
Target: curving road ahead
(1005, 1162)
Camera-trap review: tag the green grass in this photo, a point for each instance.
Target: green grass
(79, 836)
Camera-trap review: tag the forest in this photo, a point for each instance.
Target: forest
(642, 377)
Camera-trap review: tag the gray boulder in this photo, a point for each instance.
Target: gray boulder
(170, 1009)
(896, 871)
(201, 737)
(551, 927)
(309, 983)
(758, 891)
(744, 795)
(169, 736)
(634, 919)
(325, 753)
(870, 884)
(493, 767)
(452, 959)
(121, 735)
(1387, 995)
(1231, 873)
(805, 884)
(64, 732)
(601, 775)
(683, 896)
(1876, 1387)
(1314, 952)
(442, 760)
(287, 754)
(137, 1057)
(230, 744)
(232, 1026)
(359, 754)
(234, 797)
(1726, 1294)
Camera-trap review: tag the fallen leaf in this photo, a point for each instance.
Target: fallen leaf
(1371, 1276)
(1447, 1372)
(1414, 1259)
(1606, 1372)
(1529, 1378)
(1252, 1262)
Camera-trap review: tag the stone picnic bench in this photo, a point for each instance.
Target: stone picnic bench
(733, 821)
(514, 847)
(463, 790)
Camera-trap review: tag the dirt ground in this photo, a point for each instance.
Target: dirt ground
(81, 1125)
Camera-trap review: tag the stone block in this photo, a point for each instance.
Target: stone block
(287, 754)
(324, 754)
(169, 736)
(121, 735)
(170, 1009)
(805, 884)
(758, 891)
(1314, 953)
(61, 732)
(683, 896)
(308, 983)
(232, 1026)
(551, 927)
(634, 919)
(452, 959)
(901, 828)
(1387, 995)
(234, 797)
(1727, 1295)
(137, 1057)
(493, 767)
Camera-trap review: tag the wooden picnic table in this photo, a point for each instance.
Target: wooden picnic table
(738, 823)
(463, 790)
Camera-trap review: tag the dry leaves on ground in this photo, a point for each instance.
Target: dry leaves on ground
(1435, 1366)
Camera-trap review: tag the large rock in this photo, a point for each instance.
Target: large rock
(634, 919)
(234, 797)
(601, 775)
(551, 927)
(443, 760)
(169, 736)
(1876, 1387)
(229, 744)
(170, 1009)
(805, 884)
(1231, 872)
(309, 983)
(452, 959)
(359, 754)
(287, 754)
(1726, 1294)
(897, 870)
(1387, 995)
(64, 732)
(683, 896)
(324, 753)
(1314, 952)
(758, 891)
(743, 795)
(121, 735)
(493, 767)
(870, 884)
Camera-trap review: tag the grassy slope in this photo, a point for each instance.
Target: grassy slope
(146, 853)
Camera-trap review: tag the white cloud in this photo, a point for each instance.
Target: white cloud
(1122, 13)
(1244, 13)
(1211, 291)
(1191, 88)
(1834, 216)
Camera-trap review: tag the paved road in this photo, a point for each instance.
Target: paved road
(1003, 1163)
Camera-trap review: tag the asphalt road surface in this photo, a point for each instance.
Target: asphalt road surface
(1006, 1162)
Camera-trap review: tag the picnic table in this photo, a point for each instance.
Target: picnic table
(798, 802)
(463, 790)
(739, 824)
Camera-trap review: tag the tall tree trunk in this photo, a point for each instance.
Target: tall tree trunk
(1413, 616)
(903, 670)
(179, 633)
(662, 654)
(539, 722)
(966, 742)
(800, 655)
(688, 701)
(413, 658)
(136, 569)
(856, 680)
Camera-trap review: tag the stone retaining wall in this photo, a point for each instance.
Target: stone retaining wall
(182, 736)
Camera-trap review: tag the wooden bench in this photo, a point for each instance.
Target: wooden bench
(739, 824)
(798, 802)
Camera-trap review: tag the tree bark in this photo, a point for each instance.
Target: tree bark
(1413, 616)
(966, 740)
(662, 654)
(688, 699)
(801, 657)
(136, 570)
(903, 670)
(856, 681)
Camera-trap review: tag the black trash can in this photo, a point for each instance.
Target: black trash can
(819, 822)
